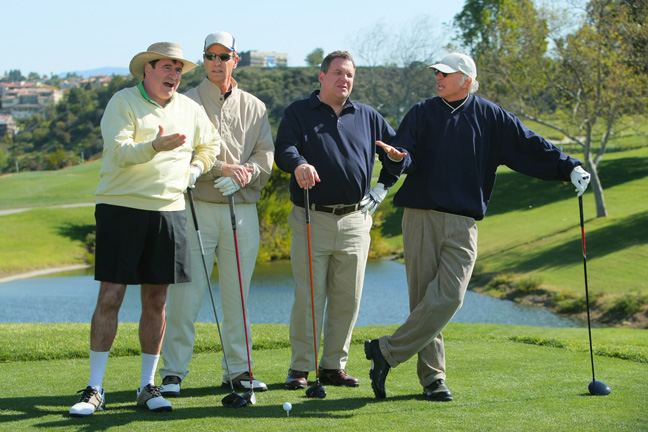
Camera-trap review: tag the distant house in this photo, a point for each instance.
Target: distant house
(94, 82)
(8, 126)
(263, 59)
(24, 99)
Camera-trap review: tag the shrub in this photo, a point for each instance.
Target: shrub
(572, 306)
(529, 284)
(501, 281)
(624, 307)
(90, 244)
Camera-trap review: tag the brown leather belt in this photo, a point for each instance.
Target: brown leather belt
(335, 210)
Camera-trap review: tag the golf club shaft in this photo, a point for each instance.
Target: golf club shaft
(310, 270)
(589, 327)
(238, 265)
(211, 294)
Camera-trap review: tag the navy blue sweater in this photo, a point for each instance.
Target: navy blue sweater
(342, 150)
(453, 157)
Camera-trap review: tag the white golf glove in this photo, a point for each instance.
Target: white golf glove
(227, 185)
(375, 196)
(580, 178)
(194, 173)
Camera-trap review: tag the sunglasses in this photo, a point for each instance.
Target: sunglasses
(222, 57)
(437, 72)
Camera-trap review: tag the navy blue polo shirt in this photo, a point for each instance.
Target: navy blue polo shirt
(453, 156)
(342, 149)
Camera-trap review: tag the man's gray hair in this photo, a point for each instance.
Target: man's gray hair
(474, 85)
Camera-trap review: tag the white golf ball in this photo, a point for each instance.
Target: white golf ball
(287, 406)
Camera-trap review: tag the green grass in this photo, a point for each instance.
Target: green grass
(528, 230)
(44, 238)
(73, 185)
(502, 377)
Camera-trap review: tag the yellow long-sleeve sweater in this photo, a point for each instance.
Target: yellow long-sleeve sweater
(132, 173)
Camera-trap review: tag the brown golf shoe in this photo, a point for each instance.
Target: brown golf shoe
(338, 377)
(296, 380)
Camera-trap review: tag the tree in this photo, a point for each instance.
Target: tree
(602, 84)
(14, 75)
(396, 76)
(508, 41)
(588, 88)
(315, 58)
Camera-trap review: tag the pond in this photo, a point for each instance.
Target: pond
(71, 297)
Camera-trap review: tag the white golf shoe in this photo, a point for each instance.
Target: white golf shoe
(151, 398)
(170, 386)
(89, 402)
(242, 382)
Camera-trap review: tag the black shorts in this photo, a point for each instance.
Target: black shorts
(137, 247)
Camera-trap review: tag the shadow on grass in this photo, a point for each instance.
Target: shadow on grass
(629, 231)
(76, 232)
(121, 409)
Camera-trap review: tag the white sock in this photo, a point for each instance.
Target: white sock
(149, 366)
(98, 360)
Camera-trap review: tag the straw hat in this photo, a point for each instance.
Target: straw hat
(159, 50)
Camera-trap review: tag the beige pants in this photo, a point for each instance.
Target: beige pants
(185, 300)
(440, 253)
(340, 246)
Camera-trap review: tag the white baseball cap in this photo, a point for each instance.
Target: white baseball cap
(456, 62)
(221, 38)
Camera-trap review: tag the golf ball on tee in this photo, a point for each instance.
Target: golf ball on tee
(287, 407)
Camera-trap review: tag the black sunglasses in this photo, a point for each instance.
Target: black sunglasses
(437, 72)
(222, 57)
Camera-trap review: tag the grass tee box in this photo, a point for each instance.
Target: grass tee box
(503, 378)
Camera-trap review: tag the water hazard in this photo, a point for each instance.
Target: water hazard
(72, 298)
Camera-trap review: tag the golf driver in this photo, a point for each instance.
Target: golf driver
(232, 400)
(597, 388)
(317, 390)
(249, 396)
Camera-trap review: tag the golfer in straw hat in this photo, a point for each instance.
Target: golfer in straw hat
(156, 143)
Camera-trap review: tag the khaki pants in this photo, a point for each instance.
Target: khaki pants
(440, 253)
(340, 246)
(185, 300)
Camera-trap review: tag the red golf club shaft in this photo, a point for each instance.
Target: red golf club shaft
(238, 265)
(310, 269)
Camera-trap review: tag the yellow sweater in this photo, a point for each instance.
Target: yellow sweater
(132, 173)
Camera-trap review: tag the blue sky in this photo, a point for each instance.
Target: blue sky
(68, 35)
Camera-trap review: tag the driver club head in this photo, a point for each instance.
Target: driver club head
(598, 388)
(234, 400)
(250, 398)
(317, 390)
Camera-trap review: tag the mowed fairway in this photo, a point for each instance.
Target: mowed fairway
(498, 385)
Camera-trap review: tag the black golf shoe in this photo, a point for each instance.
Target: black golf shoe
(437, 391)
(379, 368)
